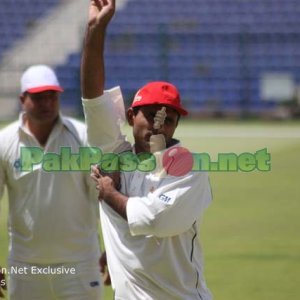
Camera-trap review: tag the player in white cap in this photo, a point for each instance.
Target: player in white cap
(150, 221)
(53, 216)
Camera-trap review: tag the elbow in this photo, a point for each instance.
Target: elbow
(154, 227)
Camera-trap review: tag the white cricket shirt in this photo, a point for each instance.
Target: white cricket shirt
(52, 215)
(156, 254)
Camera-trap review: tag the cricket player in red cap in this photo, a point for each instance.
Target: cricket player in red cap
(150, 221)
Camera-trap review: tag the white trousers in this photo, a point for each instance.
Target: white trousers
(70, 281)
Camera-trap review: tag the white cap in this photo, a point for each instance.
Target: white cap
(39, 78)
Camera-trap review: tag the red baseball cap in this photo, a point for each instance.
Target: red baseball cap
(39, 78)
(159, 92)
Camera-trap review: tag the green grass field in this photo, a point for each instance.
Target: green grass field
(251, 232)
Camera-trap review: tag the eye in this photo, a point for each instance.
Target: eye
(169, 121)
(36, 97)
(150, 115)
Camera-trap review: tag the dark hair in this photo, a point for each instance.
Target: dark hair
(136, 110)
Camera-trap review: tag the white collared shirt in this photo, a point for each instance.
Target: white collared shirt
(53, 216)
(156, 253)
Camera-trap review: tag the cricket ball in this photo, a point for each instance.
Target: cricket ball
(178, 161)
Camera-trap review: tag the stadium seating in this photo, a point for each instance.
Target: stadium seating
(215, 51)
(17, 16)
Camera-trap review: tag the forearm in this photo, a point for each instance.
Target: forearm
(92, 62)
(162, 213)
(118, 202)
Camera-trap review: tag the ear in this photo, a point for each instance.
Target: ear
(22, 98)
(130, 116)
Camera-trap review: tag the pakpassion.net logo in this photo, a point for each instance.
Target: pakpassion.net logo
(176, 161)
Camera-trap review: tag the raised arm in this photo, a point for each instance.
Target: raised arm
(92, 62)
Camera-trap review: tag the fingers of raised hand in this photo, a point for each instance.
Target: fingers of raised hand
(98, 3)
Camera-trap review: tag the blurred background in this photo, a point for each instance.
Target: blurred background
(232, 58)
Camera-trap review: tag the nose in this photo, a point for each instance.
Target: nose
(47, 100)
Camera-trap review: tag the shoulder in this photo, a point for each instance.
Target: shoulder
(9, 132)
(195, 185)
(191, 179)
(8, 137)
(75, 126)
(199, 179)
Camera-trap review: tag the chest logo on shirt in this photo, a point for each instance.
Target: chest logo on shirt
(165, 198)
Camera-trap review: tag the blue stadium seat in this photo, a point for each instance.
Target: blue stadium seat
(214, 51)
(14, 27)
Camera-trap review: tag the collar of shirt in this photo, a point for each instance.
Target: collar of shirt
(60, 123)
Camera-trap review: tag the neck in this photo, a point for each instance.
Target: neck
(40, 130)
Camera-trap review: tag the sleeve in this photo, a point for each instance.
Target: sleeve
(171, 209)
(104, 117)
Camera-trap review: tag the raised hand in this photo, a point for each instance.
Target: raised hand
(92, 63)
(101, 11)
